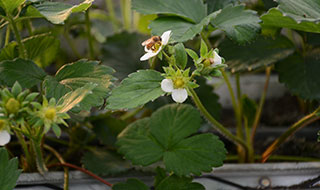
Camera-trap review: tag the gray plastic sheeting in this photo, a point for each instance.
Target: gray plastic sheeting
(250, 175)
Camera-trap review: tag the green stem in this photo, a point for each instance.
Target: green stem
(206, 40)
(237, 113)
(61, 160)
(7, 39)
(214, 122)
(90, 40)
(25, 149)
(294, 128)
(261, 103)
(112, 15)
(152, 63)
(36, 144)
(22, 49)
(29, 27)
(126, 13)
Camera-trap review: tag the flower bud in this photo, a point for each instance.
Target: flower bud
(50, 113)
(178, 83)
(12, 105)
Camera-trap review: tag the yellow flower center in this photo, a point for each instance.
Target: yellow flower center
(50, 113)
(178, 83)
(156, 46)
(2, 124)
(12, 105)
(207, 62)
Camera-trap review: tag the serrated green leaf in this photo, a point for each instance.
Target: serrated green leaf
(25, 72)
(195, 155)
(215, 5)
(76, 75)
(57, 12)
(181, 121)
(301, 74)
(182, 30)
(164, 137)
(174, 182)
(192, 10)
(180, 55)
(10, 5)
(160, 176)
(9, 172)
(104, 163)
(42, 49)
(295, 14)
(135, 143)
(128, 44)
(130, 184)
(136, 90)
(239, 24)
(75, 97)
(9, 52)
(261, 53)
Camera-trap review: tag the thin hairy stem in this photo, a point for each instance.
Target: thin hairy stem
(294, 128)
(22, 49)
(61, 160)
(261, 103)
(217, 125)
(82, 170)
(89, 36)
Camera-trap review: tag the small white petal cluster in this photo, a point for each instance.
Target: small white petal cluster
(4, 137)
(216, 60)
(178, 95)
(164, 41)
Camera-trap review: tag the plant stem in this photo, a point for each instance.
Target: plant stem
(22, 50)
(294, 128)
(25, 149)
(72, 46)
(29, 27)
(61, 160)
(278, 158)
(136, 18)
(261, 103)
(84, 171)
(218, 126)
(131, 114)
(36, 144)
(126, 13)
(206, 40)
(237, 113)
(90, 40)
(7, 39)
(112, 15)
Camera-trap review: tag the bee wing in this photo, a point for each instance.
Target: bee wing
(146, 42)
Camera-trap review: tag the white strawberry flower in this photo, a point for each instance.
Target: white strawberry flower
(217, 60)
(154, 45)
(4, 137)
(178, 93)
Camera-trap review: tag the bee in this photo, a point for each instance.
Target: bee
(152, 43)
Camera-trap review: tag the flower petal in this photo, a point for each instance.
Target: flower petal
(4, 138)
(165, 37)
(179, 95)
(167, 85)
(148, 56)
(146, 49)
(216, 60)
